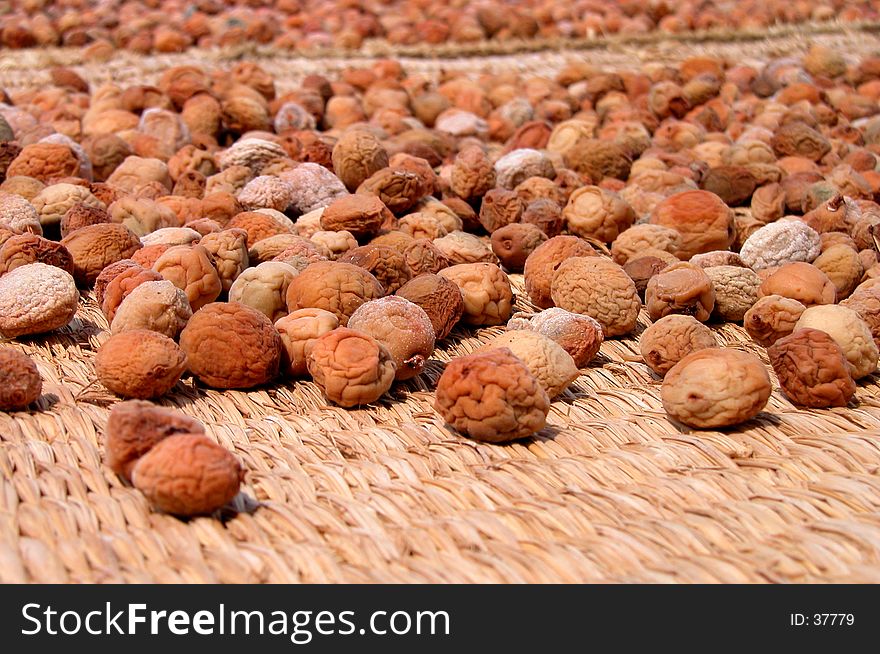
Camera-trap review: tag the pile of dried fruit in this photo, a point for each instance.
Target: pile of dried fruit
(173, 26)
(342, 230)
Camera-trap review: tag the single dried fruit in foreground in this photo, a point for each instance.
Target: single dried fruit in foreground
(670, 339)
(134, 427)
(812, 369)
(352, 368)
(702, 219)
(229, 345)
(491, 396)
(20, 381)
(486, 291)
(139, 364)
(715, 387)
(188, 474)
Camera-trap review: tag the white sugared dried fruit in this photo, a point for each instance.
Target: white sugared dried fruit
(36, 298)
(779, 243)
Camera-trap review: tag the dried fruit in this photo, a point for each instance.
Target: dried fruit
(158, 306)
(134, 427)
(812, 369)
(22, 249)
(139, 364)
(541, 265)
(491, 396)
(385, 263)
(20, 381)
(736, 290)
(191, 270)
(680, 288)
(95, 247)
(549, 363)
(840, 263)
(337, 287)
(121, 285)
(671, 338)
(352, 368)
(486, 291)
(771, 318)
(701, 218)
(402, 327)
(780, 243)
(361, 215)
(848, 330)
(187, 474)
(593, 212)
(297, 330)
(599, 288)
(802, 282)
(500, 207)
(229, 345)
(356, 156)
(513, 244)
(229, 252)
(439, 298)
(715, 387)
(264, 288)
(36, 298)
(579, 335)
(638, 238)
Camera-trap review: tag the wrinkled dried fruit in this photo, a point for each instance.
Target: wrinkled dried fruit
(20, 381)
(552, 366)
(491, 396)
(139, 364)
(438, 297)
(670, 339)
(812, 369)
(715, 387)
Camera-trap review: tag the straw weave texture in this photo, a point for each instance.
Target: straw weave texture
(610, 491)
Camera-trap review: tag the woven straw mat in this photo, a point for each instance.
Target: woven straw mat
(609, 491)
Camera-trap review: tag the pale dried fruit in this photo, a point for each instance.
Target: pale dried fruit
(337, 287)
(20, 381)
(486, 291)
(593, 212)
(229, 345)
(352, 368)
(549, 363)
(337, 243)
(670, 339)
(520, 164)
(121, 285)
(701, 218)
(848, 330)
(579, 335)
(599, 288)
(634, 241)
(229, 252)
(812, 369)
(541, 265)
(158, 306)
(55, 200)
(97, 246)
(771, 318)
(314, 187)
(264, 288)
(802, 282)
(187, 474)
(191, 270)
(18, 215)
(134, 427)
(840, 263)
(297, 329)
(715, 387)
(736, 290)
(356, 156)
(460, 247)
(140, 364)
(680, 288)
(439, 298)
(402, 327)
(491, 396)
(36, 298)
(473, 174)
(780, 243)
(717, 258)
